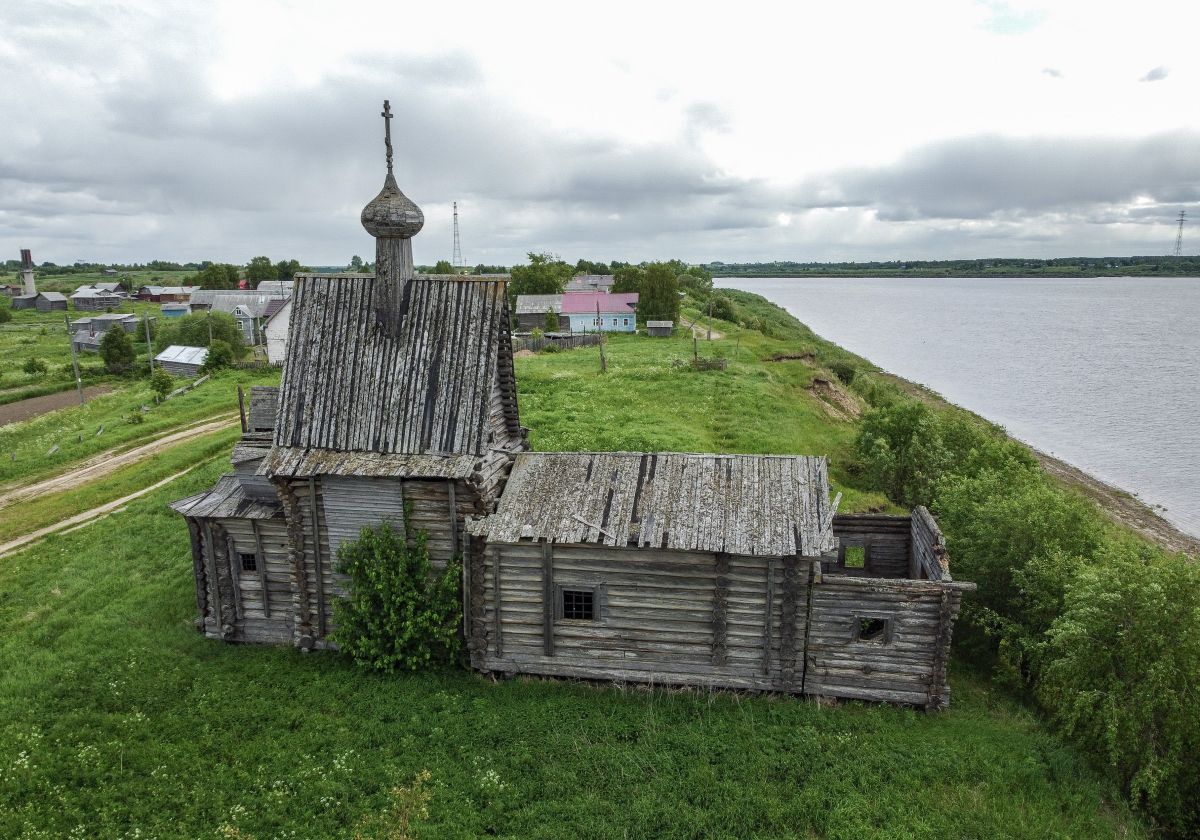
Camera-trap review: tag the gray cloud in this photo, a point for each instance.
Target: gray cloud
(1052, 72)
(1156, 74)
(128, 156)
(986, 176)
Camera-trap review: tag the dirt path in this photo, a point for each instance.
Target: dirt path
(1117, 504)
(700, 330)
(109, 462)
(36, 406)
(85, 518)
(1120, 506)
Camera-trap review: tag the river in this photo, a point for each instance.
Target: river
(1103, 373)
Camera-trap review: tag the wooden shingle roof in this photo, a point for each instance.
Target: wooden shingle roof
(758, 505)
(424, 386)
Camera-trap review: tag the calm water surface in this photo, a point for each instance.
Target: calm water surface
(1103, 373)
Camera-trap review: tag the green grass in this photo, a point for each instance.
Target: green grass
(31, 440)
(43, 335)
(51, 508)
(644, 403)
(116, 717)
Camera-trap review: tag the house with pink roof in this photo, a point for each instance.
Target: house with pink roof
(601, 311)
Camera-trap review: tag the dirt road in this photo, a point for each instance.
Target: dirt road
(700, 330)
(109, 462)
(35, 406)
(88, 516)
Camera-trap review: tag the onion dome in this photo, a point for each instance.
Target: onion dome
(392, 213)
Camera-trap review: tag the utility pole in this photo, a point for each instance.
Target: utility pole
(75, 359)
(1179, 236)
(149, 346)
(600, 333)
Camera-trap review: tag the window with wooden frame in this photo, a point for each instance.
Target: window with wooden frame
(249, 561)
(856, 557)
(578, 603)
(874, 629)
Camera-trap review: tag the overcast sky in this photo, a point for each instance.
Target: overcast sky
(736, 131)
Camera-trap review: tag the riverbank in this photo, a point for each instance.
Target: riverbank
(1121, 506)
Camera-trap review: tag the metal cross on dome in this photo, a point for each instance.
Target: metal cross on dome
(387, 132)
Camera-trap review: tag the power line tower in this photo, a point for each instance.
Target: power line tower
(457, 257)
(1178, 236)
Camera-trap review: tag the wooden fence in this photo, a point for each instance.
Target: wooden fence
(564, 341)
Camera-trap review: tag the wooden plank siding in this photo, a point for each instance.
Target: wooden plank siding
(886, 540)
(693, 618)
(657, 616)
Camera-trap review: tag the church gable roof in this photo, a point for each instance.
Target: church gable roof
(349, 384)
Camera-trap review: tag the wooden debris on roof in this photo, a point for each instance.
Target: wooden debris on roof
(753, 505)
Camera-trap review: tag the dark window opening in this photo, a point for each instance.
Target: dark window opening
(872, 629)
(579, 604)
(249, 562)
(855, 557)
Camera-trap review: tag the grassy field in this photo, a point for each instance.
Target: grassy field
(118, 720)
(25, 447)
(43, 335)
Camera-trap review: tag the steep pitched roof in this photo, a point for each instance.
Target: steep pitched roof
(759, 505)
(349, 385)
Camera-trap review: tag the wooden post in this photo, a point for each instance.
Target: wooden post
(74, 359)
(211, 551)
(242, 407)
(720, 620)
(547, 598)
(770, 608)
(499, 625)
(312, 498)
(600, 335)
(149, 346)
(262, 567)
(453, 519)
(235, 574)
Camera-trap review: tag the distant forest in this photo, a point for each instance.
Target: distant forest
(1015, 267)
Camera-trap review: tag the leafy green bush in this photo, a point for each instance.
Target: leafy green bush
(399, 614)
(551, 322)
(162, 382)
(34, 366)
(220, 355)
(720, 306)
(5, 314)
(1124, 661)
(901, 449)
(843, 371)
(117, 351)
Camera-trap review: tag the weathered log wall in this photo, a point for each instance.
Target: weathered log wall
(711, 620)
(886, 540)
(903, 662)
(929, 560)
(664, 616)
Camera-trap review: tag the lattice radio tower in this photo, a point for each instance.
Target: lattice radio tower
(1178, 236)
(457, 257)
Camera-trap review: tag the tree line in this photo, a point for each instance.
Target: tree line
(658, 284)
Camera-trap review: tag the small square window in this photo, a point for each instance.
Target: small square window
(872, 629)
(579, 604)
(854, 557)
(249, 562)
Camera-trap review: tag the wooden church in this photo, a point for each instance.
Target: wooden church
(726, 571)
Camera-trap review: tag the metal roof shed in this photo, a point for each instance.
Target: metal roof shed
(179, 360)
